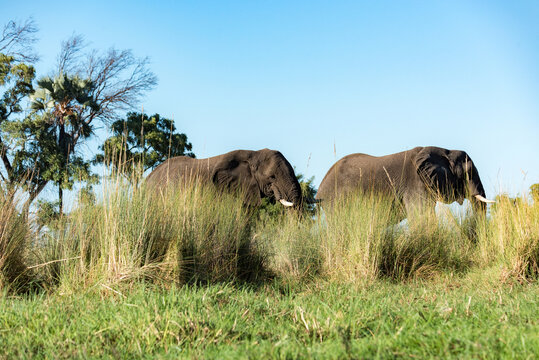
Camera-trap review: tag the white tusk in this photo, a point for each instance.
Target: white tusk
(480, 198)
(286, 203)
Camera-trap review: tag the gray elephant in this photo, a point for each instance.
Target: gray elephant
(413, 177)
(256, 174)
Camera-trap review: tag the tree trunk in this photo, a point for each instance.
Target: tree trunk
(60, 199)
(62, 142)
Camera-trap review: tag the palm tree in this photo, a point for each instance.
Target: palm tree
(61, 102)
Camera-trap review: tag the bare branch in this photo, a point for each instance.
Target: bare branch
(120, 82)
(17, 40)
(71, 53)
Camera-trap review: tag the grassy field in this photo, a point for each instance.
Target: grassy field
(445, 318)
(195, 274)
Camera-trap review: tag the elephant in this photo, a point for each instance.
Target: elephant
(413, 177)
(256, 174)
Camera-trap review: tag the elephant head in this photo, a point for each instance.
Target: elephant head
(259, 174)
(451, 175)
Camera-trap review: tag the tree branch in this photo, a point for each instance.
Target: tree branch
(18, 39)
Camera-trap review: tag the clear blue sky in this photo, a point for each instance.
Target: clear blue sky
(302, 76)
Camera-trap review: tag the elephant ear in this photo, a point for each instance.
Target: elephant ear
(237, 175)
(434, 167)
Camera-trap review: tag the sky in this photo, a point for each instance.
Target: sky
(318, 80)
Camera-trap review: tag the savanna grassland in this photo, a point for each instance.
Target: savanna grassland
(194, 274)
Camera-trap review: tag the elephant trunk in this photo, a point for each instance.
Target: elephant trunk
(288, 194)
(295, 196)
(476, 192)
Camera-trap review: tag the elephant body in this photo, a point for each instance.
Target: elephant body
(412, 177)
(256, 174)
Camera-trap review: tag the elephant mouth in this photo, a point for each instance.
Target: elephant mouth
(278, 197)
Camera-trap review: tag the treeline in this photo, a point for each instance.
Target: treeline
(46, 119)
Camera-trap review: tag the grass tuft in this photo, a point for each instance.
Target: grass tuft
(14, 232)
(192, 235)
(512, 238)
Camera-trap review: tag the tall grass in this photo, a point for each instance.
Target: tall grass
(353, 236)
(363, 239)
(14, 232)
(197, 234)
(511, 238)
(193, 234)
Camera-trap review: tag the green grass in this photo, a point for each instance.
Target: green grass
(196, 274)
(447, 318)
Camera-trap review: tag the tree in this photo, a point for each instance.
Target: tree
(60, 104)
(119, 78)
(141, 142)
(17, 40)
(16, 77)
(86, 88)
(308, 192)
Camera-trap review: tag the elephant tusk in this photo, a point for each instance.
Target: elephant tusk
(481, 198)
(286, 203)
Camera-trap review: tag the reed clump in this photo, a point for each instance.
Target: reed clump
(14, 232)
(196, 234)
(192, 234)
(511, 238)
(366, 238)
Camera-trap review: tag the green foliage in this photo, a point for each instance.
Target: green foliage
(16, 81)
(86, 196)
(308, 192)
(44, 146)
(47, 212)
(16, 77)
(65, 97)
(141, 142)
(44, 143)
(48, 217)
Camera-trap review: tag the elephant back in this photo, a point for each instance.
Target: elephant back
(174, 170)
